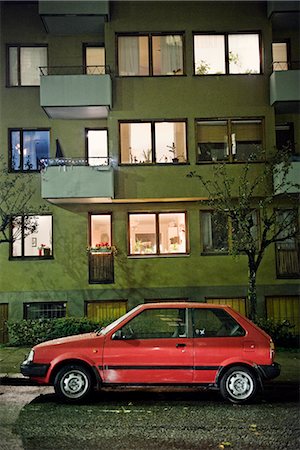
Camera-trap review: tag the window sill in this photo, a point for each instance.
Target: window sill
(167, 255)
(154, 164)
(30, 258)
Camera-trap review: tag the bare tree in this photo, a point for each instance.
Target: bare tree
(255, 189)
(16, 193)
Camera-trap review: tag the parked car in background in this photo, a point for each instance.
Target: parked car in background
(194, 344)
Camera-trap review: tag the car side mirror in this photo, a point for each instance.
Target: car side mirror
(117, 335)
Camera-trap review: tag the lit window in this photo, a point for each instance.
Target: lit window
(134, 58)
(133, 55)
(24, 63)
(157, 233)
(153, 142)
(217, 54)
(27, 148)
(32, 236)
(280, 56)
(97, 147)
(94, 59)
(229, 140)
(100, 232)
(214, 231)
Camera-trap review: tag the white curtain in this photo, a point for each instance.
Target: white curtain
(31, 59)
(128, 49)
(171, 55)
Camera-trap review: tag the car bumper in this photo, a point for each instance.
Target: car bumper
(34, 369)
(269, 372)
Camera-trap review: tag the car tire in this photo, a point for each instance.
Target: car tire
(238, 385)
(73, 383)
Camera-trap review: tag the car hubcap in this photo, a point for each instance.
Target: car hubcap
(239, 385)
(74, 384)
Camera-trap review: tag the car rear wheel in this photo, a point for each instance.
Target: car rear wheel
(238, 385)
(73, 383)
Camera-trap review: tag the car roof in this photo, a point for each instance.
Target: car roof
(180, 304)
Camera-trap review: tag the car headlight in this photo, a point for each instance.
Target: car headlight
(30, 357)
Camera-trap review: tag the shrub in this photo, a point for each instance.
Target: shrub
(32, 332)
(280, 332)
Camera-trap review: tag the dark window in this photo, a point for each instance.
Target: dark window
(229, 140)
(27, 148)
(43, 310)
(215, 323)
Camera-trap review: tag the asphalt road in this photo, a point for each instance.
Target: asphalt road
(31, 418)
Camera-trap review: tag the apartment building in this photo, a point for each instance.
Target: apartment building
(109, 104)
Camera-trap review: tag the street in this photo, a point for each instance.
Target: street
(32, 418)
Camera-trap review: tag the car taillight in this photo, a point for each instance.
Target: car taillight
(272, 350)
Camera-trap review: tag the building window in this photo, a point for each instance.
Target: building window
(43, 310)
(157, 233)
(24, 63)
(280, 56)
(150, 55)
(217, 54)
(27, 148)
(153, 142)
(32, 236)
(219, 232)
(100, 229)
(97, 147)
(94, 59)
(287, 248)
(105, 311)
(229, 140)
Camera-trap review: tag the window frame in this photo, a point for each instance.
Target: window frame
(30, 257)
(231, 156)
(102, 213)
(149, 36)
(19, 46)
(157, 235)
(230, 227)
(21, 131)
(27, 305)
(152, 123)
(87, 45)
(86, 130)
(226, 52)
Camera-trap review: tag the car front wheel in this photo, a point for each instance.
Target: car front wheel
(73, 383)
(238, 385)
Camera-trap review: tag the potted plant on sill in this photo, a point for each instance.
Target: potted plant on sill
(44, 250)
(102, 247)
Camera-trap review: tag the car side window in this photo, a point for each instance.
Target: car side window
(215, 323)
(155, 323)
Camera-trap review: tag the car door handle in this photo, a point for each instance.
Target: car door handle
(180, 345)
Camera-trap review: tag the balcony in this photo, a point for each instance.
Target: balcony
(285, 87)
(74, 17)
(284, 14)
(287, 181)
(70, 93)
(65, 180)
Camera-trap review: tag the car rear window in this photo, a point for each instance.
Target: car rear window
(215, 323)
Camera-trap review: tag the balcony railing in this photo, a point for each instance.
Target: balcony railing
(90, 161)
(74, 70)
(287, 261)
(285, 65)
(101, 267)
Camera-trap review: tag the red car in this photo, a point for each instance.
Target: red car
(194, 344)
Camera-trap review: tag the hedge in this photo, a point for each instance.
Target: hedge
(32, 332)
(281, 332)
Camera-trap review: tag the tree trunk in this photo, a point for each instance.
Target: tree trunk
(252, 297)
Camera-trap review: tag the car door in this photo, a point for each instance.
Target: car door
(152, 348)
(217, 338)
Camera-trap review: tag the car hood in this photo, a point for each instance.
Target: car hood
(68, 340)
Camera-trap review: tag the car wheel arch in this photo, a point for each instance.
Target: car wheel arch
(223, 369)
(96, 379)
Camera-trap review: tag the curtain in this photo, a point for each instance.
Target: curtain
(128, 49)
(31, 59)
(171, 55)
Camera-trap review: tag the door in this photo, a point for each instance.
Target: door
(97, 147)
(152, 348)
(217, 337)
(94, 59)
(3, 320)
